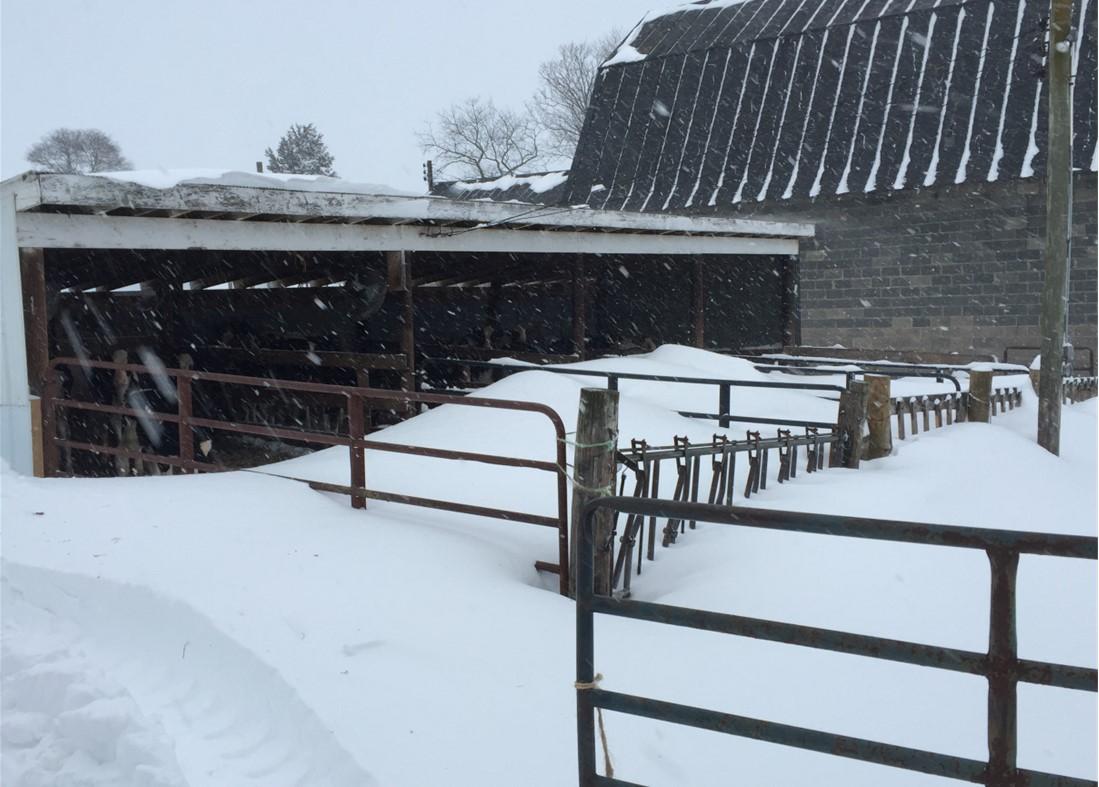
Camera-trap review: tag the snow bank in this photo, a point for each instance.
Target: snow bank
(261, 633)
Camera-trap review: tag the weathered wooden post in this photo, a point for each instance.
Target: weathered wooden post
(593, 476)
(878, 410)
(847, 450)
(980, 397)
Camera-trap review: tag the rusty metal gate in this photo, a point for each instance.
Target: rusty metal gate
(1001, 665)
(354, 399)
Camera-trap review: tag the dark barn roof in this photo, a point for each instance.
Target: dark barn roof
(724, 102)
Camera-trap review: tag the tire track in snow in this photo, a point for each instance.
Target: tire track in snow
(232, 719)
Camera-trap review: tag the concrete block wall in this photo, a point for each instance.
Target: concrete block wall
(956, 268)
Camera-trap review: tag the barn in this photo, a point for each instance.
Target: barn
(319, 280)
(910, 132)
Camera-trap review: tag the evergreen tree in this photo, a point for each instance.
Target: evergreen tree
(301, 151)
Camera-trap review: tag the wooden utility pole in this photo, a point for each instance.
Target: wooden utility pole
(596, 441)
(1058, 224)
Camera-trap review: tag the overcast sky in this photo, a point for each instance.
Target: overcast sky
(211, 83)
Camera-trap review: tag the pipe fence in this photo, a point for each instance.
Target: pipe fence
(1000, 664)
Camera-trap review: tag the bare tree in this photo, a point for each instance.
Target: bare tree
(78, 151)
(567, 81)
(476, 139)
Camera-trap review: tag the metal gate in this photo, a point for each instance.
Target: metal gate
(1001, 665)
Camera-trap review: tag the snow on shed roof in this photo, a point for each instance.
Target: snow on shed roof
(539, 188)
(169, 178)
(108, 212)
(721, 102)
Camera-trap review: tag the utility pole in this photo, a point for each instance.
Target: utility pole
(1058, 225)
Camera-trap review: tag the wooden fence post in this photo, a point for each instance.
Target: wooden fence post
(878, 410)
(596, 441)
(980, 397)
(847, 450)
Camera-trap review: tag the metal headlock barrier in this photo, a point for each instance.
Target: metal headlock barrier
(1078, 389)
(947, 408)
(723, 416)
(1001, 664)
(644, 462)
(355, 399)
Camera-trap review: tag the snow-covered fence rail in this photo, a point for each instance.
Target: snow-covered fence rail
(180, 384)
(1000, 664)
(644, 463)
(724, 415)
(1077, 389)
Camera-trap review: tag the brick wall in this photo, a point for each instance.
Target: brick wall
(948, 269)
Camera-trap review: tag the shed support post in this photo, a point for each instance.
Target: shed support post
(579, 307)
(698, 304)
(596, 442)
(36, 321)
(399, 266)
(979, 400)
(791, 302)
(878, 410)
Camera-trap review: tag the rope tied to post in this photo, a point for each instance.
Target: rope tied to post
(611, 443)
(580, 685)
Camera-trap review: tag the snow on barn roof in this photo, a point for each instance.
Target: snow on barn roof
(305, 214)
(538, 188)
(722, 102)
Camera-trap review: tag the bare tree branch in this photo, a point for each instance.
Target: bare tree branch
(477, 139)
(567, 81)
(78, 152)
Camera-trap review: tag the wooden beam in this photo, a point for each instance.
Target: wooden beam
(55, 230)
(791, 303)
(698, 304)
(579, 307)
(36, 317)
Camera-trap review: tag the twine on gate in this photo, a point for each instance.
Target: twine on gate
(608, 767)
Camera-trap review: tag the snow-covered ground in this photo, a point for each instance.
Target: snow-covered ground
(239, 628)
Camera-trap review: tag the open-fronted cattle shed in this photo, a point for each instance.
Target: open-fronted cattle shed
(318, 281)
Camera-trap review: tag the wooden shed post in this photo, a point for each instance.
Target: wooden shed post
(579, 307)
(979, 400)
(698, 304)
(878, 411)
(847, 450)
(36, 320)
(399, 271)
(791, 302)
(596, 441)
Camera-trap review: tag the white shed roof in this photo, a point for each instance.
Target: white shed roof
(225, 210)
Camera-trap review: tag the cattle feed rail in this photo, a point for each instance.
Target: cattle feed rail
(917, 410)
(1079, 389)
(644, 462)
(1001, 664)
